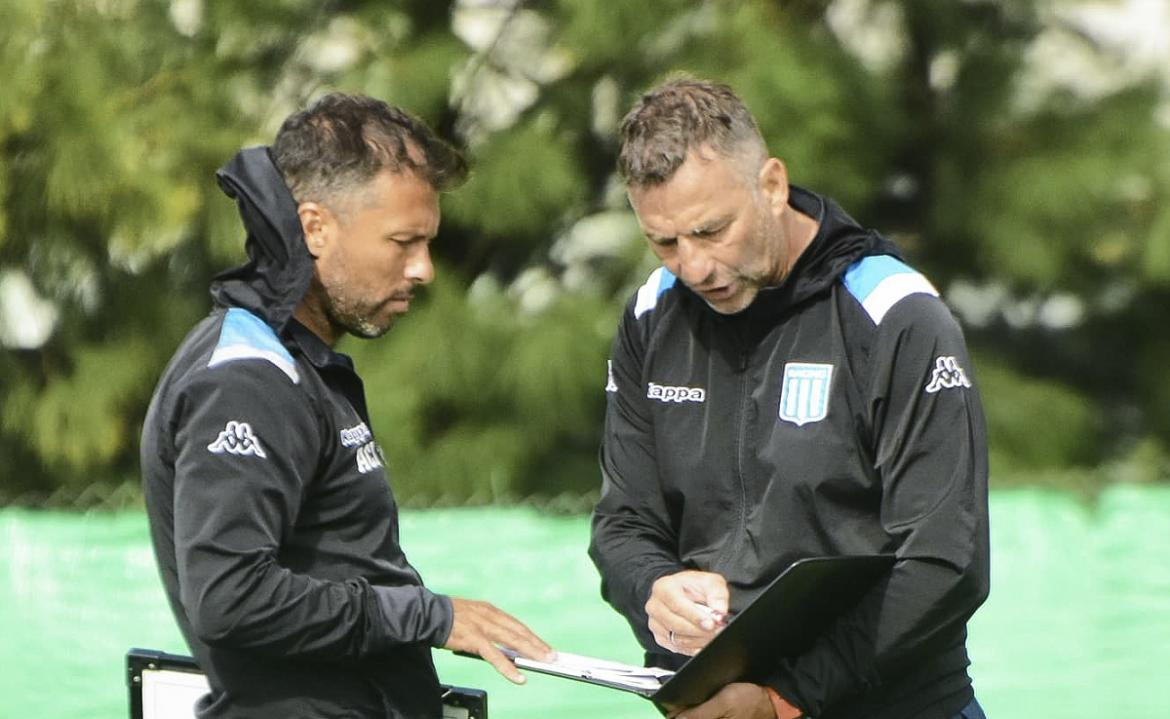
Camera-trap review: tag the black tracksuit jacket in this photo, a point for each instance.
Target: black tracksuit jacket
(835, 415)
(272, 521)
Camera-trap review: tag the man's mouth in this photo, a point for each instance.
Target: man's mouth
(716, 294)
(400, 301)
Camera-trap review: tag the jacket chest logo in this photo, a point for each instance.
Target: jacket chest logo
(804, 392)
(355, 436)
(670, 393)
(369, 454)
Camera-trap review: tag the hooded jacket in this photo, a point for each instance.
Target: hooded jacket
(835, 415)
(274, 526)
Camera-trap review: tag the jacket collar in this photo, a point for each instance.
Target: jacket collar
(314, 348)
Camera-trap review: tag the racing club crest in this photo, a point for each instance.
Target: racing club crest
(804, 392)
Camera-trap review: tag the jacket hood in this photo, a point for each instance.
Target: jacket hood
(274, 280)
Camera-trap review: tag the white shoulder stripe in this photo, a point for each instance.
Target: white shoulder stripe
(892, 290)
(242, 351)
(659, 281)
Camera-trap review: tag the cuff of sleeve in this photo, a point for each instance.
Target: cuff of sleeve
(414, 614)
(777, 702)
(785, 685)
(447, 623)
(653, 574)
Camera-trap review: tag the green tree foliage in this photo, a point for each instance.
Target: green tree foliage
(1038, 207)
(486, 404)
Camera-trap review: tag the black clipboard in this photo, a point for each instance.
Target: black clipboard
(783, 621)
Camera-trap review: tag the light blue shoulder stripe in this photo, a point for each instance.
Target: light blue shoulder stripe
(246, 336)
(880, 282)
(660, 281)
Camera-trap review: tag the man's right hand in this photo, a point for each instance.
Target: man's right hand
(740, 701)
(687, 610)
(479, 627)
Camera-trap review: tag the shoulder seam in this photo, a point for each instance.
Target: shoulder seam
(880, 282)
(243, 335)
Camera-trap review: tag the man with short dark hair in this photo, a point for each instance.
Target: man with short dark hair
(783, 387)
(272, 520)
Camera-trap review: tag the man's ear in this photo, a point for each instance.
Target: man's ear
(774, 184)
(316, 226)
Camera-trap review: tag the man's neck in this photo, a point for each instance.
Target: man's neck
(312, 315)
(801, 229)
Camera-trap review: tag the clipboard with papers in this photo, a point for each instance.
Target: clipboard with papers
(783, 621)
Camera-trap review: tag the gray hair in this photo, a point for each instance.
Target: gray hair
(679, 116)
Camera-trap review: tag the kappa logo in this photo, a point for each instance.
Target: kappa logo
(237, 438)
(804, 392)
(667, 393)
(353, 436)
(369, 454)
(947, 375)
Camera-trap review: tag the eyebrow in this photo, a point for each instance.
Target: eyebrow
(705, 227)
(409, 236)
(712, 225)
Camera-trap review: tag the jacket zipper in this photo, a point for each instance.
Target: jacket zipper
(734, 541)
(740, 448)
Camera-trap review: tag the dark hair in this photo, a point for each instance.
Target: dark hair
(678, 116)
(342, 141)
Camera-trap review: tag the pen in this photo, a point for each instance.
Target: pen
(715, 615)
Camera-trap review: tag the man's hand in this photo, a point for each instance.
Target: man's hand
(687, 610)
(740, 701)
(480, 626)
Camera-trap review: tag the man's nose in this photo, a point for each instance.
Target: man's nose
(419, 268)
(694, 265)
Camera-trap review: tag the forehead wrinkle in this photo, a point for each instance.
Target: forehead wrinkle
(669, 218)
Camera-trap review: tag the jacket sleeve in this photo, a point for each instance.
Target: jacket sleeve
(633, 540)
(931, 455)
(248, 443)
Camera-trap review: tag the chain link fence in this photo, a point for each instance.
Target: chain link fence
(114, 497)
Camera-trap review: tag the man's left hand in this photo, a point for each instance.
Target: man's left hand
(734, 701)
(478, 627)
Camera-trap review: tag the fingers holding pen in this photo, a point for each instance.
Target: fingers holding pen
(687, 609)
(677, 642)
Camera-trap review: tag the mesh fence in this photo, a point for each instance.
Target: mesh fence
(1080, 598)
(128, 495)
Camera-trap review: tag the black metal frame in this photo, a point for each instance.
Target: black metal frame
(140, 660)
